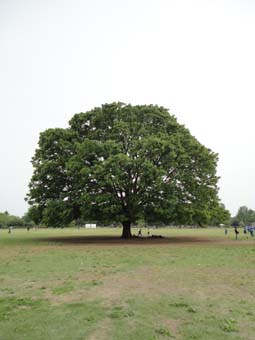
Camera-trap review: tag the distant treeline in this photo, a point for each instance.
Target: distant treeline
(7, 220)
(244, 217)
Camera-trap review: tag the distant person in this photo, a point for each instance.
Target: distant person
(226, 230)
(28, 228)
(139, 232)
(251, 231)
(236, 232)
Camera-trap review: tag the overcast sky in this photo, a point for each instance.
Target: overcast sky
(197, 58)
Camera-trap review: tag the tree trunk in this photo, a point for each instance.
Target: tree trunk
(126, 231)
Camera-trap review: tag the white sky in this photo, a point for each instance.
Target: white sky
(197, 58)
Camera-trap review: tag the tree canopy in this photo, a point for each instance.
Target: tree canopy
(244, 216)
(7, 219)
(123, 163)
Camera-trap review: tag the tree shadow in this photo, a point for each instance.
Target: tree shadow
(116, 240)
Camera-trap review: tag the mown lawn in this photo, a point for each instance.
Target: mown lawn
(58, 284)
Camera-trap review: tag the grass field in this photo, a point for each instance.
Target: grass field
(72, 284)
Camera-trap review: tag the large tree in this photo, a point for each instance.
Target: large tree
(122, 163)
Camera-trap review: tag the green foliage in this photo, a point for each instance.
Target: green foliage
(219, 215)
(28, 218)
(57, 214)
(123, 163)
(10, 220)
(244, 216)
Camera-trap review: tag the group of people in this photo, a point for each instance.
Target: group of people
(140, 233)
(249, 229)
(246, 229)
(11, 228)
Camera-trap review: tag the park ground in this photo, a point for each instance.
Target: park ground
(91, 285)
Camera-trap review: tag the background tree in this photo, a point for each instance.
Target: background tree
(123, 163)
(57, 214)
(245, 216)
(33, 216)
(220, 215)
(10, 220)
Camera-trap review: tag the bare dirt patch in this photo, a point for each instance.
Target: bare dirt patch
(146, 281)
(114, 240)
(173, 325)
(101, 333)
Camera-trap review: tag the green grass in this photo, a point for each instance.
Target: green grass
(53, 289)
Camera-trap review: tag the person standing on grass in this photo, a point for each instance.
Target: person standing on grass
(252, 231)
(236, 232)
(226, 230)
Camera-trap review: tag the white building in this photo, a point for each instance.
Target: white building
(90, 225)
